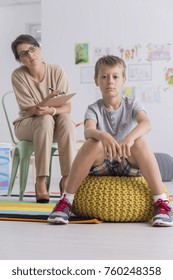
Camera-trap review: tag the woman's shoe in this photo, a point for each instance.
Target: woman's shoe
(44, 198)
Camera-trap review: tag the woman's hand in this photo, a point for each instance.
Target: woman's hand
(41, 111)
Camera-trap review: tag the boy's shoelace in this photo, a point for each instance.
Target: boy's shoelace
(62, 205)
(162, 206)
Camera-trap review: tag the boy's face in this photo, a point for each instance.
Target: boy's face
(110, 80)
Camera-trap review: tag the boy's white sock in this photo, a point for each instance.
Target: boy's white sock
(162, 196)
(70, 197)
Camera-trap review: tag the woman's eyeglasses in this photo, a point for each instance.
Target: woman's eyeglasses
(24, 54)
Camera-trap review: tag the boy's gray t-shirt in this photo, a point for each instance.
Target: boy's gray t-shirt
(118, 122)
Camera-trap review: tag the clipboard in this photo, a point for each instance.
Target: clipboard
(57, 101)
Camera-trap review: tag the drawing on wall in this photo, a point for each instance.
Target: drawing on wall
(150, 94)
(139, 72)
(101, 51)
(87, 75)
(129, 53)
(139, 68)
(159, 52)
(169, 76)
(34, 29)
(129, 92)
(145, 94)
(82, 53)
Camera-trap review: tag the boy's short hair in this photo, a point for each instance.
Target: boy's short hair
(110, 60)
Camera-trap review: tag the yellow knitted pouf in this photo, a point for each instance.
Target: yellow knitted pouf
(115, 199)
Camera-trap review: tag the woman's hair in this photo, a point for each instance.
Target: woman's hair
(110, 60)
(23, 39)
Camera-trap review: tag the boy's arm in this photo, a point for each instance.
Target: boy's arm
(91, 131)
(111, 147)
(143, 126)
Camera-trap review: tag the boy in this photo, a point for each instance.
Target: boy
(115, 146)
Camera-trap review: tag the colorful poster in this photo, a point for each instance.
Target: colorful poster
(159, 52)
(129, 92)
(129, 53)
(169, 76)
(82, 53)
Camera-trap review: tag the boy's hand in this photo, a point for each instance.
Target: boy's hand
(111, 147)
(126, 145)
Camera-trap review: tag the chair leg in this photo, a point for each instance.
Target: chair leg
(48, 178)
(24, 168)
(26, 150)
(15, 164)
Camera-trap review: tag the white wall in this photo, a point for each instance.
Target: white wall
(101, 23)
(110, 23)
(13, 22)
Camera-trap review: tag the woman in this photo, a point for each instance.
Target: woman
(42, 125)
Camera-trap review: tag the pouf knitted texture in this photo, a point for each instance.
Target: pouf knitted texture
(115, 199)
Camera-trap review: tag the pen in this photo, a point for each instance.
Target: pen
(51, 88)
(60, 94)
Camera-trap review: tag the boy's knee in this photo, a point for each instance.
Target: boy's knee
(92, 145)
(140, 143)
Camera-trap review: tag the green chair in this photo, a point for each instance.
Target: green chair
(23, 151)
